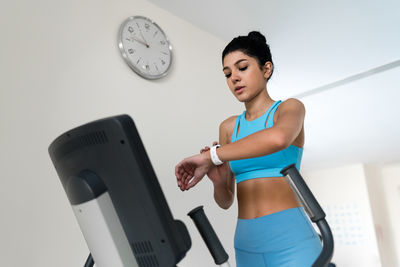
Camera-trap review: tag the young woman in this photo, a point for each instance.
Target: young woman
(272, 228)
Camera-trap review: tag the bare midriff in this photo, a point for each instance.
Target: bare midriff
(263, 196)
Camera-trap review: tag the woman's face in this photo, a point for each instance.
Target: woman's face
(244, 76)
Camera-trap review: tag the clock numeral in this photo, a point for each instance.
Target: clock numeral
(162, 42)
(147, 26)
(147, 67)
(131, 51)
(130, 29)
(137, 62)
(154, 35)
(162, 62)
(156, 66)
(165, 53)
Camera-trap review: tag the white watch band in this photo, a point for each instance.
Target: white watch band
(214, 156)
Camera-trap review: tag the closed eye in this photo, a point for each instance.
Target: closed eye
(227, 75)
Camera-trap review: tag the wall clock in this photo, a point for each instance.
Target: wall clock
(145, 47)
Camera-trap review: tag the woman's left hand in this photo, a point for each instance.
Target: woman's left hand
(191, 170)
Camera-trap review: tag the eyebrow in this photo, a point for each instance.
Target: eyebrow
(237, 62)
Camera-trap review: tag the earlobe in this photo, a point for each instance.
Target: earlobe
(267, 73)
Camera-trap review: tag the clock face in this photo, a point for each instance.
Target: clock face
(145, 47)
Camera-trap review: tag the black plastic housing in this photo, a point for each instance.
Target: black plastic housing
(108, 155)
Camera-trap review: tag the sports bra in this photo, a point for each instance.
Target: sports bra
(264, 166)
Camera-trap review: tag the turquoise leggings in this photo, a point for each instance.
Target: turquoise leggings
(284, 238)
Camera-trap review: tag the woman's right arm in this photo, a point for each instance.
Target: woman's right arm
(224, 188)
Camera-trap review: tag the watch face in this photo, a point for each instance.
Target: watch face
(145, 47)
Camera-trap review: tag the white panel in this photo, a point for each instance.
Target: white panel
(103, 233)
(385, 231)
(391, 185)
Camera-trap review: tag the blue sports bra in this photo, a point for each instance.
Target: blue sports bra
(264, 166)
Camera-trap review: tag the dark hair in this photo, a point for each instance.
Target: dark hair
(254, 45)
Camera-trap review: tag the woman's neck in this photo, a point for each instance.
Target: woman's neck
(258, 105)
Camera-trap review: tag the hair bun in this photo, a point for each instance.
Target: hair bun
(257, 36)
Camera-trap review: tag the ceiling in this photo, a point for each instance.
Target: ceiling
(341, 58)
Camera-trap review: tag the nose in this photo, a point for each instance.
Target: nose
(235, 77)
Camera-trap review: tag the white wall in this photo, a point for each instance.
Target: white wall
(60, 67)
(385, 233)
(361, 203)
(343, 194)
(391, 186)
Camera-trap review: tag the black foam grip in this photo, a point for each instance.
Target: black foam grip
(208, 234)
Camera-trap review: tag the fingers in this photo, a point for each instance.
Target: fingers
(177, 170)
(183, 180)
(187, 179)
(182, 172)
(179, 173)
(182, 183)
(206, 148)
(192, 183)
(191, 170)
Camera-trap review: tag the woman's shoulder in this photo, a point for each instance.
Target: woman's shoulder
(289, 106)
(226, 128)
(229, 123)
(292, 103)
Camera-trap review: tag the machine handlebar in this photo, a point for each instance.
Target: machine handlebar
(209, 236)
(314, 211)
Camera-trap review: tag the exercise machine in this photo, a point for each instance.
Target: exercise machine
(121, 209)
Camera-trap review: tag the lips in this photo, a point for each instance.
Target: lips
(239, 89)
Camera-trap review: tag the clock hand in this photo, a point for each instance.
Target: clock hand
(143, 37)
(140, 41)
